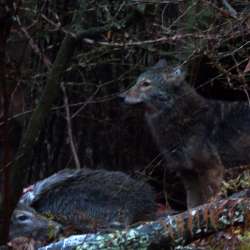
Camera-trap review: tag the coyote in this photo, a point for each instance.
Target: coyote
(198, 137)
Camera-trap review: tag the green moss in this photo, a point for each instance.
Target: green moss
(244, 241)
(242, 181)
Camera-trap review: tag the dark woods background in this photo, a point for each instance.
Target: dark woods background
(88, 124)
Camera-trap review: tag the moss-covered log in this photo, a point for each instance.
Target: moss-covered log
(166, 232)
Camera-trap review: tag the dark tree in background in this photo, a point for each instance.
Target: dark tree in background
(64, 64)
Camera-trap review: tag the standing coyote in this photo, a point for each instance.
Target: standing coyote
(198, 137)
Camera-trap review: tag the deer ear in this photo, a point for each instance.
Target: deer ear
(161, 64)
(178, 75)
(179, 72)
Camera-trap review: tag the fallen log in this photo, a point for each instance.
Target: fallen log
(168, 231)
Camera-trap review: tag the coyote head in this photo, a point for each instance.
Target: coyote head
(156, 85)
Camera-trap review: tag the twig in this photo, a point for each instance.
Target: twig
(70, 134)
(158, 40)
(33, 45)
(85, 103)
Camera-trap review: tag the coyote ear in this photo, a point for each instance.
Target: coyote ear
(161, 64)
(175, 77)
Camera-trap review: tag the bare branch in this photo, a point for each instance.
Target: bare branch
(70, 134)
